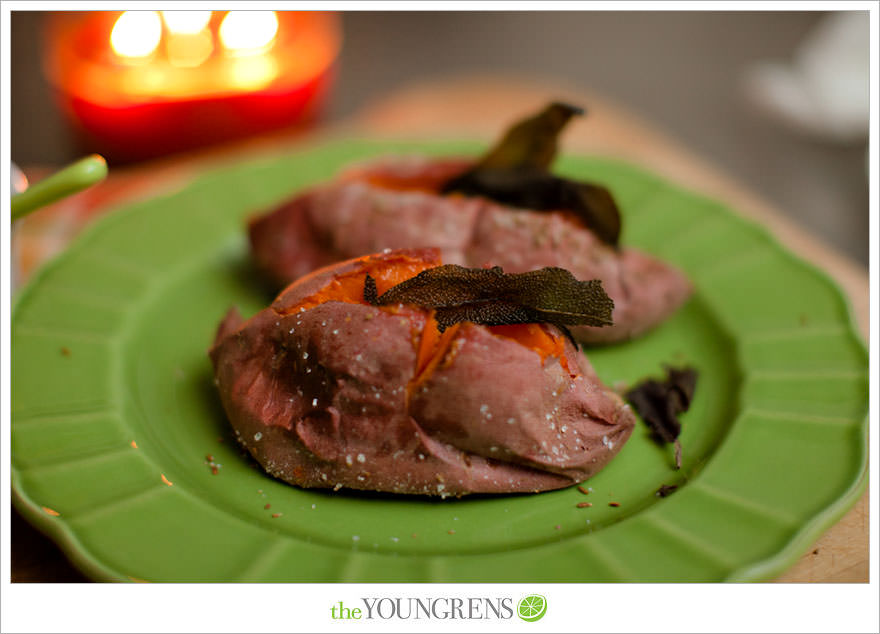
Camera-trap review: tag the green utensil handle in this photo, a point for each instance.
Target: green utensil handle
(73, 178)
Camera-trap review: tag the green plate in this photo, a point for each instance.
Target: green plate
(114, 411)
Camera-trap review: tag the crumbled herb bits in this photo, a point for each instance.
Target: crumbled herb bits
(516, 172)
(494, 298)
(666, 490)
(660, 402)
(214, 466)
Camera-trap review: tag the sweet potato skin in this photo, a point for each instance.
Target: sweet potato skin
(324, 398)
(357, 214)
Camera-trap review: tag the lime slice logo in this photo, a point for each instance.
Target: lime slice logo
(532, 607)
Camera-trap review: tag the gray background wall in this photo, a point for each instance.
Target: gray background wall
(681, 71)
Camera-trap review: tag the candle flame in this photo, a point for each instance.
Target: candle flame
(247, 32)
(161, 54)
(187, 50)
(186, 22)
(136, 33)
(252, 73)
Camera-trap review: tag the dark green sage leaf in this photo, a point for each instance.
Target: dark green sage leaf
(532, 141)
(515, 172)
(493, 298)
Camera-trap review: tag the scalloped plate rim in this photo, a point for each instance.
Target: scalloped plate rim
(90, 564)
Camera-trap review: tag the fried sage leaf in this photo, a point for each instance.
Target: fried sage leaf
(493, 298)
(515, 172)
(532, 188)
(532, 141)
(660, 402)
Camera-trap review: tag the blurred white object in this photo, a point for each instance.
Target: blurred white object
(824, 90)
(18, 181)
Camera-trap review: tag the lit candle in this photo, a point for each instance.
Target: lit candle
(145, 83)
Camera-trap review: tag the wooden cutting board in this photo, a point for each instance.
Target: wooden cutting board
(469, 107)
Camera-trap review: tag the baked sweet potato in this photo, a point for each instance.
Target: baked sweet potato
(326, 390)
(394, 203)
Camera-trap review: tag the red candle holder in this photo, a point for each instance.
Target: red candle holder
(141, 84)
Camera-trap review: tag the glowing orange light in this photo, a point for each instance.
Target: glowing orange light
(136, 34)
(189, 49)
(186, 22)
(248, 32)
(146, 83)
(251, 73)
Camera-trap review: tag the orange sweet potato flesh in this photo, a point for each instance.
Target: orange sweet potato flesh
(325, 390)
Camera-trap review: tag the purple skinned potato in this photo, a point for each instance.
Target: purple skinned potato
(393, 203)
(325, 390)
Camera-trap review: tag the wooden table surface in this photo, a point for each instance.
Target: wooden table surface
(469, 107)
